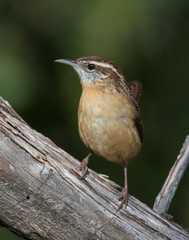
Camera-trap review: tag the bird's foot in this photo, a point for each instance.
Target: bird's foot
(123, 198)
(83, 166)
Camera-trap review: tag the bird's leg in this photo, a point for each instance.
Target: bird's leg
(83, 165)
(124, 193)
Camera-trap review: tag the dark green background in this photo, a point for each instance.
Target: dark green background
(148, 40)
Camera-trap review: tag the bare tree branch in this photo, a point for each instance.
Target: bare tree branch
(165, 196)
(43, 197)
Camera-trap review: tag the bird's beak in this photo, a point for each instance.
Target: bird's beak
(67, 61)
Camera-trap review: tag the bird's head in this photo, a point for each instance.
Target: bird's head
(96, 70)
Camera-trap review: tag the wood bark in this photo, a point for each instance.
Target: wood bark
(165, 196)
(42, 195)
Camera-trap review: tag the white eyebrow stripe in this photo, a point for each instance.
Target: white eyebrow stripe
(102, 64)
(107, 65)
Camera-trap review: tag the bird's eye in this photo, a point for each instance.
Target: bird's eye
(91, 66)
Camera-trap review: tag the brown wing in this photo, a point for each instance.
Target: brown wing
(140, 128)
(135, 88)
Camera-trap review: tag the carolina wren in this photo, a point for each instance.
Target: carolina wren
(108, 114)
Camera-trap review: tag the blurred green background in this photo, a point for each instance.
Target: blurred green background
(148, 40)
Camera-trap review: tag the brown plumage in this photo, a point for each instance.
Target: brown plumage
(108, 114)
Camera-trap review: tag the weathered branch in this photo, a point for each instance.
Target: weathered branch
(43, 197)
(165, 196)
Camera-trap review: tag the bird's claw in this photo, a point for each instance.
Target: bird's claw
(83, 167)
(123, 198)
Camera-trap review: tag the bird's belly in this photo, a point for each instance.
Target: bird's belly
(108, 133)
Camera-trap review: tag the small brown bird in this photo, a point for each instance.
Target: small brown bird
(108, 114)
